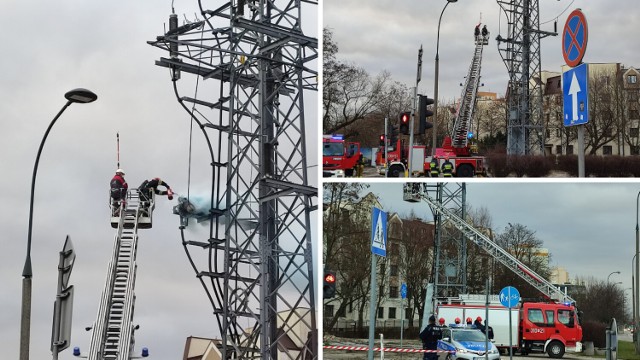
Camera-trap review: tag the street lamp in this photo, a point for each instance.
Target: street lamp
(615, 272)
(636, 305)
(81, 96)
(437, 73)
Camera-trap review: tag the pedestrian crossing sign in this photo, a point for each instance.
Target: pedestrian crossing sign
(379, 232)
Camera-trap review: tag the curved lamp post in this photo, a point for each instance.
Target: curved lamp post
(81, 96)
(615, 272)
(437, 73)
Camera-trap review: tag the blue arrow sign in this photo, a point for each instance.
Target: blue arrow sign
(509, 297)
(403, 290)
(379, 232)
(575, 93)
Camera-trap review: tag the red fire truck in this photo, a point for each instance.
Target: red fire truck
(465, 162)
(398, 156)
(549, 327)
(339, 159)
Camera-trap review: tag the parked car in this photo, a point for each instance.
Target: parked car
(468, 344)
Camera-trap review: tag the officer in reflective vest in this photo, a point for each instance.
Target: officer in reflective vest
(433, 167)
(447, 168)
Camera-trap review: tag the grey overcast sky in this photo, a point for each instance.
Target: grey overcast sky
(589, 227)
(51, 47)
(386, 35)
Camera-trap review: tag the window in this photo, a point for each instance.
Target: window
(632, 79)
(392, 313)
(380, 312)
(635, 150)
(393, 292)
(565, 317)
(328, 311)
(607, 150)
(549, 314)
(393, 270)
(633, 96)
(407, 312)
(633, 114)
(535, 316)
(607, 132)
(633, 132)
(559, 149)
(569, 149)
(342, 312)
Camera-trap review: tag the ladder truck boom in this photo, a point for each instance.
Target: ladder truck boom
(112, 337)
(504, 257)
(468, 99)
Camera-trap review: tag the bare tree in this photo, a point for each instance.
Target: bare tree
(602, 127)
(416, 263)
(522, 243)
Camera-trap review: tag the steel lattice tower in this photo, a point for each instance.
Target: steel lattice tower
(520, 51)
(450, 244)
(252, 63)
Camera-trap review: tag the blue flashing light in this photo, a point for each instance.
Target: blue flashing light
(469, 135)
(145, 352)
(337, 137)
(567, 303)
(76, 351)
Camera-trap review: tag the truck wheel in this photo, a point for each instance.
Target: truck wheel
(348, 172)
(395, 171)
(464, 170)
(555, 349)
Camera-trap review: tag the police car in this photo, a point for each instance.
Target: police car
(468, 343)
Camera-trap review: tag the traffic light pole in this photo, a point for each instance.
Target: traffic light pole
(413, 113)
(386, 146)
(411, 127)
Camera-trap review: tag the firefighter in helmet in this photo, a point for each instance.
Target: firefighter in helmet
(447, 167)
(151, 186)
(434, 169)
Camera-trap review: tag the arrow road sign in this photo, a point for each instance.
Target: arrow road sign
(575, 93)
(403, 290)
(379, 232)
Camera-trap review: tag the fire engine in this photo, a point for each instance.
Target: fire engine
(398, 155)
(551, 326)
(457, 147)
(339, 159)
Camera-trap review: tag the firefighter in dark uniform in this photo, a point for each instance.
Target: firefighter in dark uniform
(430, 336)
(447, 168)
(149, 186)
(433, 167)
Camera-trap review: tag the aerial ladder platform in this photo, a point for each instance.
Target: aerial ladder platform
(113, 331)
(468, 100)
(414, 192)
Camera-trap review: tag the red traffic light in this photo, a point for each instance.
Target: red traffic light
(329, 278)
(381, 137)
(405, 117)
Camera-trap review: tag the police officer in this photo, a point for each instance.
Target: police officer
(447, 168)
(433, 167)
(430, 336)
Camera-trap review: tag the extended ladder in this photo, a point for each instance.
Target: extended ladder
(412, 193)
(464, 117)
(112, 336)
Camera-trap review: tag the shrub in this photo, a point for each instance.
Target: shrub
(596, 332)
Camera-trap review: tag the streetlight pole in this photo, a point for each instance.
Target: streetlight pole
(81, 96)
(637, 291)
(437, 73)
(615, 272)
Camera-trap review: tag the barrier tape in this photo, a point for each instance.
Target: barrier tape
(399, 350)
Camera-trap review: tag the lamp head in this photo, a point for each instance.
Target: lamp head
(452, 1)
(80, 95)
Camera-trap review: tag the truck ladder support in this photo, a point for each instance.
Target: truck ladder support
(112, 337)
(466, 111)
(498, 253)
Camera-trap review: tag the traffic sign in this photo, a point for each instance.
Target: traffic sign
(574, 38)
(379, 232)
(509, 297)
(575, 95)
(403, 291)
